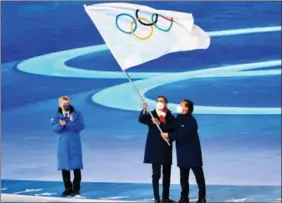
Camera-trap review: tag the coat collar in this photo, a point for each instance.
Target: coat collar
(155, 114)
(185, 115)
(61, 111)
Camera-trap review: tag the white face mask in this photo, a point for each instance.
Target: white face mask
(160, 106)
(179, 109)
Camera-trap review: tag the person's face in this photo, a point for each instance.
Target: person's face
(162, 100)
(184, 108)
(64, 103)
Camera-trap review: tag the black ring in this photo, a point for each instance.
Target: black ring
(145, 24)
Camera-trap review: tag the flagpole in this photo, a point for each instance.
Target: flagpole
(142, 99)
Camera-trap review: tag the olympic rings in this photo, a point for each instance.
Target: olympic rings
(144, 22)
(156, 26)
(141, 38)
(133, 20)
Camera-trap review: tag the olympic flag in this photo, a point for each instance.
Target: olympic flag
(136, 34)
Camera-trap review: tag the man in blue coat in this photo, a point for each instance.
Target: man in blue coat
(188, 149)
(157, 151)
(68, 123)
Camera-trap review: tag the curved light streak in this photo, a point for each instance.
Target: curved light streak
(128, 100)
(53, 64)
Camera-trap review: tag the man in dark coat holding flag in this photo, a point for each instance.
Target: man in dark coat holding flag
(188, 149)
(157, 151)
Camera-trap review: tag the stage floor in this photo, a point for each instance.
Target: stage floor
(142, 192)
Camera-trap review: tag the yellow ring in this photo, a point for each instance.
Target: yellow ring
(132, 29)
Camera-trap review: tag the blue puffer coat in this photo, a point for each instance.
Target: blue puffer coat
(69, 153)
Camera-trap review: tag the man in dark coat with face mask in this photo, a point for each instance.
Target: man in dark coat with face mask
(157, 151)
(68, 123)
(188, 150)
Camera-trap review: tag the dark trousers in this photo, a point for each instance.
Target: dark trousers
(184, 181)
(67, 180)
(166, 180)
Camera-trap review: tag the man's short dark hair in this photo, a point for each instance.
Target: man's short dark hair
(163, 98)
(189, 104)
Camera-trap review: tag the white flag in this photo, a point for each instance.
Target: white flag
(136, 33)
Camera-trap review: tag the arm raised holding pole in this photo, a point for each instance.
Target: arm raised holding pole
(145, 105)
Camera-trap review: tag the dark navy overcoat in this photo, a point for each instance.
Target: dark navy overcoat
(188, 147)
(157, 151)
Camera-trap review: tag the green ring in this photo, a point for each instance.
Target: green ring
(155, 24)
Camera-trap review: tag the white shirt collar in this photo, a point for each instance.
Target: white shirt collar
(66, 113)
(161, 113)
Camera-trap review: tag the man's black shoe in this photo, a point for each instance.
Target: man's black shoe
(201, 200)
(67, 193)
(76, 192)
(157, 201)
(167, 200)
(183, 200)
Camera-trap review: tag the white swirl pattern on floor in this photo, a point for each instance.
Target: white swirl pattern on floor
(53, 64)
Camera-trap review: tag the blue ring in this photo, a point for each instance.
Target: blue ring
(125, 14)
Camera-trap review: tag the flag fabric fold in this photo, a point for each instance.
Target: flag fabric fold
(136, 34)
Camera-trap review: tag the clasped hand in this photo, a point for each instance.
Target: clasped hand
(71, 118)
(165, 136)
(63, 123)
